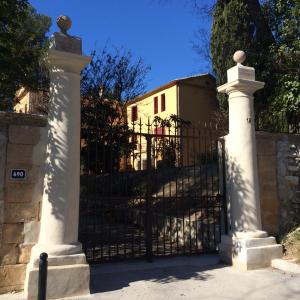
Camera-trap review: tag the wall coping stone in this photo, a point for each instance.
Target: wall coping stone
(12, 118)
(269, 134)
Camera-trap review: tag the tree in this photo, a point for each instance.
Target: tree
(106, 137)
(237, 24)
(22, 44)
(269, 33)
(284, 21)
(111, 79)
(120, 77)
(234, 28)
(254, 9)
(166, 149)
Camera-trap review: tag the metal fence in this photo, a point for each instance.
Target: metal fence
(278, 122)
(150, 190)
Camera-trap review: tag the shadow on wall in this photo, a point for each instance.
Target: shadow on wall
(57, 146)
(238, 190)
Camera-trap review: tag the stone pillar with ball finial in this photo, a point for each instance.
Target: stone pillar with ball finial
(247, 246)
(68, 272)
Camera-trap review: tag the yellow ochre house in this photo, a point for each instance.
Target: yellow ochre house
(192, 99)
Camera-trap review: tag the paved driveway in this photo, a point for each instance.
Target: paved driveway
(187, 278)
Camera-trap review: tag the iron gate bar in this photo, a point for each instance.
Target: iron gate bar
(140, 188)
(194, 173)
(210, 158)
(149, 249)
(225, 213)
(162, 210)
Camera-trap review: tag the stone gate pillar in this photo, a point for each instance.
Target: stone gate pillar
(246, 246)
(68, 272)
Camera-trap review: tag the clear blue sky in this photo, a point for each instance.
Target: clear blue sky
(162, 34)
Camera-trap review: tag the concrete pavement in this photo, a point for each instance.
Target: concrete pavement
(199, 277)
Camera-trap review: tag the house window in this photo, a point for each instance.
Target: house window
(163, 102)
(133, 113)
(155, 105)
(159, 131)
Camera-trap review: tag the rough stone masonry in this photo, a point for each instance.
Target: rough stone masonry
(22, 146)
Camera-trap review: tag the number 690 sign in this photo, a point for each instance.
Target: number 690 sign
(18, 174)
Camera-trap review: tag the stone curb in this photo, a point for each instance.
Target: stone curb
(286, 266)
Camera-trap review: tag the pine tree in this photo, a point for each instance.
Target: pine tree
(234, 28)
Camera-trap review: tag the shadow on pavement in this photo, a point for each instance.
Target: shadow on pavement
(120, 275)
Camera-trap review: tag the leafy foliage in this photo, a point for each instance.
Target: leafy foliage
(166, 149)
(22, 44)
(105, 134)
(269, 34)
(284, 19)
(234, 28)
(291, 244)
(116, 72)
(107, 82)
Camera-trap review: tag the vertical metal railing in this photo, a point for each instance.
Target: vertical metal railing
(165, 200)
(149, 203)
(278, 121)
(224, 185)
(42, 280)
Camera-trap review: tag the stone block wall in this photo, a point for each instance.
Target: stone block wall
(267, 172)
(278, 170)
(22, 146)
(288, 176)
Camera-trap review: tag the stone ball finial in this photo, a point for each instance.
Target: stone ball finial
(239, 56)
(64, 23)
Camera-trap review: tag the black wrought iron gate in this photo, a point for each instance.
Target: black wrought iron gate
(150, 190)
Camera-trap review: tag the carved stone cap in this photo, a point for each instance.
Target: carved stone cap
(240, 77)
(239, 56)
(242, 85)
(64, 23)
(66, 43)
(240, 71)
(62, 41)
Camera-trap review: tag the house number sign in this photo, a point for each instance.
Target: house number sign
(18, 174)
